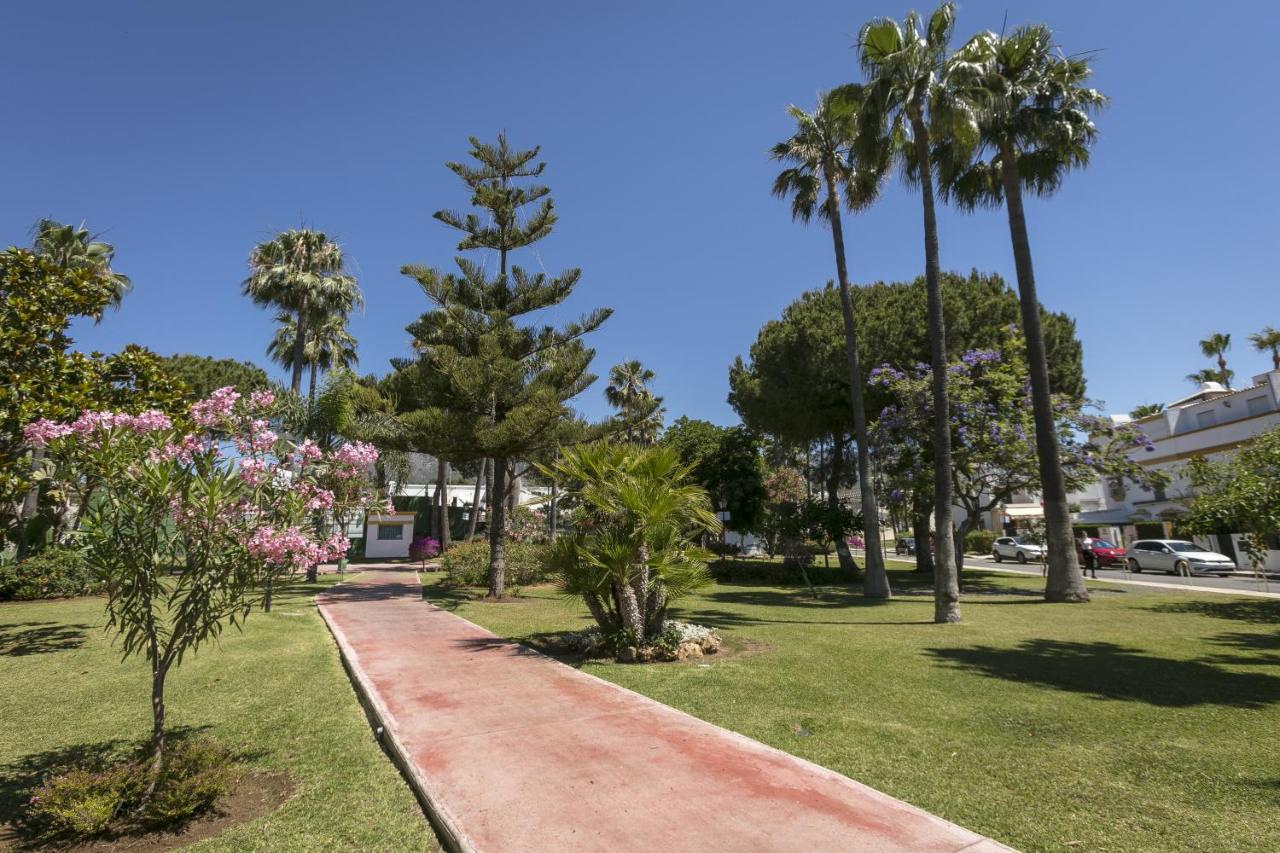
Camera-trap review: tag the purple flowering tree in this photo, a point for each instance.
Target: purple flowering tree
(188, 539)
(993, 434)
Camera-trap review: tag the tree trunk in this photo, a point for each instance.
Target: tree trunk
(475, 500)
(30, 506)
(159, 669)
(311, 383)
(876, 584)
(1064, 581)
(498, 530)
(553, 511)
(513, 489)
(924, 549)
(442, 495)
(266, 595)
(946, 591)
(299, 343)
(835, 469)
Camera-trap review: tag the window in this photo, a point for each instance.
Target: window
(1257, 405)
(390, 531)
(1142, 546)
(1206, 419)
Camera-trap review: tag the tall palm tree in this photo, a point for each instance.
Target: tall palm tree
(1216, 346)
(329, 346)
(1034, 123)
(74, 247)
(820, 176)
(1268, 339)
(628, 392)
(299, 271)
(908, 102)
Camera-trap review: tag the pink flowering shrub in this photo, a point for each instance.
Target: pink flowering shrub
(188, 538)
(424, 548)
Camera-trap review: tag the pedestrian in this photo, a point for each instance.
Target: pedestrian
(1090, 561)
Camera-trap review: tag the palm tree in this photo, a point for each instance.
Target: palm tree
(1211, 374)
(328, 346)
(1216, 346)
(301, 272)
(820, 175)
(75, 248)
(907, 100)
(1034, 125)
(1268, 339)
(628, 392)
(1146, 410)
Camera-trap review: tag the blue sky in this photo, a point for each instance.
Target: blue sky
(188, 132)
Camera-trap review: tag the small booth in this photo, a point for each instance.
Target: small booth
(388, 535)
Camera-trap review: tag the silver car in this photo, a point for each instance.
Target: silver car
(1177, 557)
(1017, 548)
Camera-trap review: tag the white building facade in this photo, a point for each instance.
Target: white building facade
(1213, 422)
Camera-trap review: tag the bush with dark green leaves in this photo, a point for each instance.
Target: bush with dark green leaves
(82, 802)
(979, 542)
(467, 563)
(52, 573)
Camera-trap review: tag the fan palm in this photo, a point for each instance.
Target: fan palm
(1216, 346)
(628, 392)
(907, 101)
(328, 346)
(75, 248)
(634, 553)
(301, 272)
(1268, 339)
(819, 177)
(1211, 374)
(1034, 125)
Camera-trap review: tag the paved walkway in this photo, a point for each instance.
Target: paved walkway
(512, 751)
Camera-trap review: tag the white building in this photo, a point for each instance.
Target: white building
(1213, 422)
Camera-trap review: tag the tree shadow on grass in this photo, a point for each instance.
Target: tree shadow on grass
(37, 638)
(1255, 611)
(1110, 671)
(714, 618)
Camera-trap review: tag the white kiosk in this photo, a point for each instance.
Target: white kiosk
(387, 535)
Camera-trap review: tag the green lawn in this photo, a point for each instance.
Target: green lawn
(1143, 721)
(276, 693)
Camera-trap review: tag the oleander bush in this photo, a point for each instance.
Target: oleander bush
(52, 573)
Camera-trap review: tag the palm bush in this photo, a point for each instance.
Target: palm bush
(633, 551)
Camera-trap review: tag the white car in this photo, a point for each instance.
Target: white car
(1016, 548)
(1177, 557)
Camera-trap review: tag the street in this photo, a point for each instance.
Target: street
(1235, 583)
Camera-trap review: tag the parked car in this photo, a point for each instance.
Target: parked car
(1016, 548)
(1176, 556)
(905, 546)
(1103, 552)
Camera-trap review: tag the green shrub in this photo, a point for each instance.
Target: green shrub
(979, 542)
(467, 563)
(86, 801)
(53, 573)
(822, 573)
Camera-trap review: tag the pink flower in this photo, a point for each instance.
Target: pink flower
(308, 451)
(357, 453)
(41, 432)
(318, 498)
(255, 472)
(150, 421)
(217, 408)
(261, 399)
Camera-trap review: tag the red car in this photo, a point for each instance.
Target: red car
(1104, 552)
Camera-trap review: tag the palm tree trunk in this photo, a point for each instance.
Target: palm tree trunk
(311, 390)
(299, 343)
(876, 584)
(1064, 581)
(946, 582)
(838, 535)
(498, 530)
(475, 501)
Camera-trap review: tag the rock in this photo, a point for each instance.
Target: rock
(685, 651)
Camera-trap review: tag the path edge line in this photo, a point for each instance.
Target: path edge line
(444, 823)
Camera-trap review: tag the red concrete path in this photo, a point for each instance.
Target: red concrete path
(514, 752)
